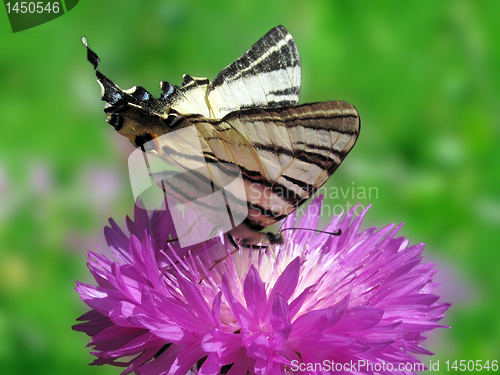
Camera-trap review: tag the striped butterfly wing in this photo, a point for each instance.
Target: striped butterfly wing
(284, 155)
(267, 75)
(292, 152)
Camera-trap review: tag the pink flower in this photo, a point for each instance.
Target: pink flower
(317, 300)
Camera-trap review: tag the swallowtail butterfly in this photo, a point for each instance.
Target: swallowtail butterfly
(247, 120)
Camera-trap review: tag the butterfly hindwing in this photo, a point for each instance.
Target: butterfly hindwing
(267, 75)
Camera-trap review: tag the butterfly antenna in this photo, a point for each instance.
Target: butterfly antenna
(337, 233)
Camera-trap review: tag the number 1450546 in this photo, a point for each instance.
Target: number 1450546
(32, 7)
(470, 365)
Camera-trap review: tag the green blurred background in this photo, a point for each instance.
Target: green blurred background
(424, 76)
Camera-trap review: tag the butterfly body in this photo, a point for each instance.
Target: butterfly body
(246, 121)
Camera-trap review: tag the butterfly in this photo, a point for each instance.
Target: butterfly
(247, 123)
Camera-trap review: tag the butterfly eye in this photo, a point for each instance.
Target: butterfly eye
(275, 238)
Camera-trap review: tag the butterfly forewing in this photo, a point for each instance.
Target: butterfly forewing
(297, 149)
(284, 154)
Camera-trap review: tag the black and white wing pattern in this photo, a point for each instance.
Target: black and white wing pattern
(284, 154)
(267, 75)
(246, 121)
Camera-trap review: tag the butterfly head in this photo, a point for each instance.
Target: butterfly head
(275, 238)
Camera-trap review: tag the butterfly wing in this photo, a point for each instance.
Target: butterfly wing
(267, 75)
(283, 155)
(298, 148)
(210, 182)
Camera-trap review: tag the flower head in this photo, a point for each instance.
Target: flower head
(314, 301)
